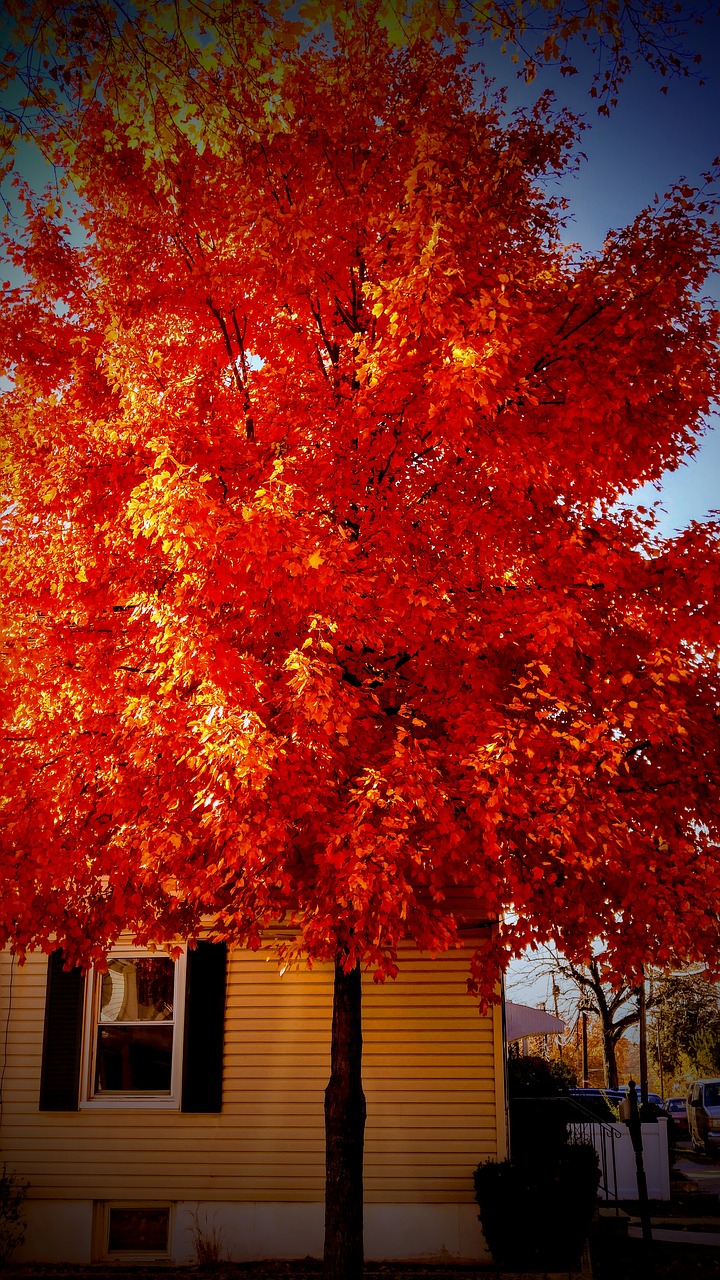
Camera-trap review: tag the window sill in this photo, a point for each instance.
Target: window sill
(130, 1104)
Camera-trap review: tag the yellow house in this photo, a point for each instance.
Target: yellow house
(168, 1100)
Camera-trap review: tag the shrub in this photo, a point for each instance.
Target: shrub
(207, 1241)
(535, 1213)
(534, 1077)
(538, 1117)
(12, 1223)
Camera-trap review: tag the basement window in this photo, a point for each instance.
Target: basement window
(138, 1229)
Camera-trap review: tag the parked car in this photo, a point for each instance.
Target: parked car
(602, 1104)
(677, 1110)
(614, 1095)
(703, 1114)
(591, 1091)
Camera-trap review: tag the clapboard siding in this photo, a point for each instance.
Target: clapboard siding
(429, 1068)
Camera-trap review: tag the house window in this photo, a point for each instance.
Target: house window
(133, 1032)
(148, 1033)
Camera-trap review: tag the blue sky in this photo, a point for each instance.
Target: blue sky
(649, 141)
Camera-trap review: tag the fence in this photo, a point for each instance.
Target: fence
(610, 1138)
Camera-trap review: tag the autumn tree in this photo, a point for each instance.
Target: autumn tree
(320, 599)
(685, 1025)
(60, 54)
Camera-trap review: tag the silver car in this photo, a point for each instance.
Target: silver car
(703, 1113)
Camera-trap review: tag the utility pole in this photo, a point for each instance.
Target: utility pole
(660, 1058)
(643, 1043)
(556, 992)
(585, 1080)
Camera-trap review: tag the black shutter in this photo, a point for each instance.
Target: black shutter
(204, 1027)
(62, 1041)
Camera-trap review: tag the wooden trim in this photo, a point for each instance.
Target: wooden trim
(500, 1073)
(62, 1036)
(130, 1101)
(204, 1032)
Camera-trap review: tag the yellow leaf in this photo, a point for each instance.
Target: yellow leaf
(81, 575)
(315, 560)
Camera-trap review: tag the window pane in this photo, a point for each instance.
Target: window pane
(134, 1059)
(137, 989)
(139, 1230)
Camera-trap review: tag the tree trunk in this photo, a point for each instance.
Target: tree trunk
(609, 1059)
(345, 1133)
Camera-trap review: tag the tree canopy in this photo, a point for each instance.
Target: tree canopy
(164, 58)
(320, 596)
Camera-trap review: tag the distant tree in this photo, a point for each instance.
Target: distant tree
(614, 1005)
(685, 1025)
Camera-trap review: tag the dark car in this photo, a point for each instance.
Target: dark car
(600, 1104)
(677, 1111)
(605, 1103)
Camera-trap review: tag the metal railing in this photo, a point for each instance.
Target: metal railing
(601, 1135)
(584, 1125)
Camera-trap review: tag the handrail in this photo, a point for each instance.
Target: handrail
(607, 1132)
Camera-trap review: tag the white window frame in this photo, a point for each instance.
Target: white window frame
(101, 1233)
(135, 1101)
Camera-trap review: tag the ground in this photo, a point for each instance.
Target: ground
(612, 1259)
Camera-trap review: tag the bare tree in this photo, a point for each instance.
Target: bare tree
(617, 1008)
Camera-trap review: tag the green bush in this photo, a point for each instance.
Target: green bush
(538, 1116)
(534, 1077)
(535, 1213)
(12, 1223)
